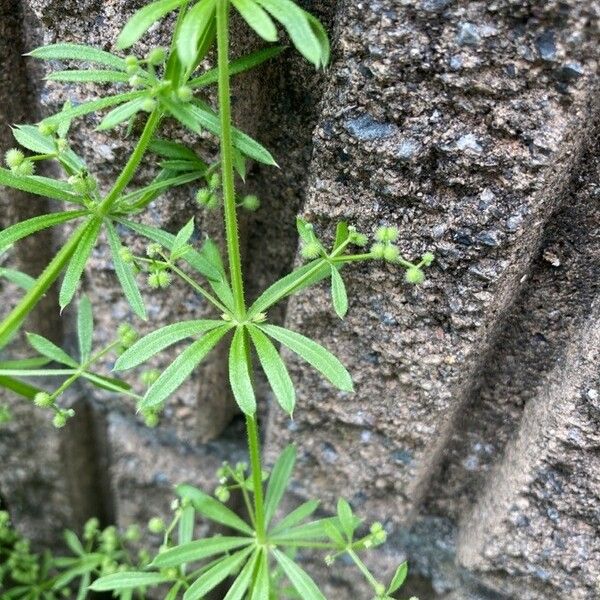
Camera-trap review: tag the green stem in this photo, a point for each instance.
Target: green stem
(255, 464)
(231, 226)
(363, 568)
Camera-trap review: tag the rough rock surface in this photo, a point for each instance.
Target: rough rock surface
(472, 126)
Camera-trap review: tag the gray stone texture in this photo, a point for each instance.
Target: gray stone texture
(473, 432)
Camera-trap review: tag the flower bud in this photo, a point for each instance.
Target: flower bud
(61, 145)
(427, 258)
(222, 493)
(156, 525)
(172, 573)
(159, 279)
(153, 250)
(25, 168)
(47, 129)
(310, 250)
(414, 275)
(131, 61)
(151, 420)
(43, 400)
(136, 81)
(127, 335)
(13, 158)
(378, 250)
(329, 559)
(60, 419)
(251, 202)
(149, 105)
(358, 239)
(215, 181)
(386, 234)
(133, 533)
(126, 254)
(391, 253)
(204, 196)
(185, 93)
(156, 56)
(149, 377)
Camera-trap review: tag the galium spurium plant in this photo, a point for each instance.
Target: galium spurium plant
(258, 557)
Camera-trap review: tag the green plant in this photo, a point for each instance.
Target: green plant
(260, 555)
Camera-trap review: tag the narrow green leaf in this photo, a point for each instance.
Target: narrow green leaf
(93, 106)
(257, 18)
(143, 19)
(19, 387)
(242, 581)
(261, 586)
(302, 512)
(338, 293)
(314, 354)
(73, 542)
(25, 363)
(126, 580)
(77, 263)
(290, 284)
(162, 338)
(305, 230)
(125, 273)
(275, 370)
(78, 52)
(185, 530)
(41, 186)
(183, 165)
(342, 232)
(161, 184)
(239, 373)
(345, 517)
(323, 39)
(239, 65)
(29, 137)
(294, 19)
(85, 565)
(399, 578)
(334, 534)
(178, 371)
(108, 383)
(50, 349)
(213, 509)
(278, 481)
(211, 578)
(173, 150)
(198, 550)
(22, 280)
(83, 586)
(197, 21)
(301, 581)
(85, 328)
(88, 76)
(182, 238)
(12, 234)
(121, 113)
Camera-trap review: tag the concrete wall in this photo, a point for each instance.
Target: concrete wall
(473, 432)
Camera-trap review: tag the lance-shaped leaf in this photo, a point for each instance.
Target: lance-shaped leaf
(180, 243)
(127, 580)
(198, 550)
(322, 38)
(19, 387)
(275, 369)
(175, 150)
(211, 578)
(29, 137)
(125, 274)
(213, 509)
(196, 118)
(21, 280)
(121, 113)
(143, 19)
(239, 373)
(162, 338)
(159, 184)
(297, 280)
(50, 349)
(301, 581)
(12, 234)
(85, 328)
(241, 584)
(41, 186)
(345, 517)
(239, 65)
(91, 76)
(262, 582)
(296, 516)
(196, 23)
(92, 106)
(77, 262)
(78, 52)
(278, 481)
(296, 23)
(178, 371)
(314, 354)
(185, 528)
(338, 293)
(399, 578)
(109, 383)
(257, 18)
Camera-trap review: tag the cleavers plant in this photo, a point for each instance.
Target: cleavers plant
(259, 557)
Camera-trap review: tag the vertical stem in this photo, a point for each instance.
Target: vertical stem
(233, 241)
(231, 227)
